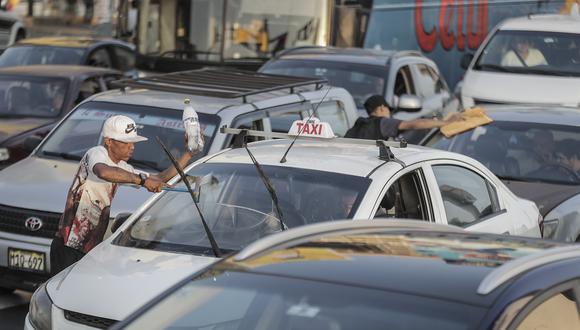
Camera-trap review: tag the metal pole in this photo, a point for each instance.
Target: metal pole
(223, 41)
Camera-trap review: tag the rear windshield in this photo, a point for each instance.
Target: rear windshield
(22, 96)
(360, 80)
(82, 130)
(238, 208)
(233, 300)
(28, 55)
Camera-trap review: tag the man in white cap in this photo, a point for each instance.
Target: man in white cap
(102, 168)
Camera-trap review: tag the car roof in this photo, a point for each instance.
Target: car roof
(73, 42)
(549, 23)
(347, 55)
(398, 260)
(543, 114)
(344, 156)
(43, 70)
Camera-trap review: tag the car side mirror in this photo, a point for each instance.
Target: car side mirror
(119, 220)
(466, 60)
(31, 142)
(409, 103)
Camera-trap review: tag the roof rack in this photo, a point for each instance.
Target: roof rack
(218, 82)
(306, 233)
(385, 152)
(518, 266)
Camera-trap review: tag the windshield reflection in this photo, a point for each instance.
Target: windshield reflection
(31, 96)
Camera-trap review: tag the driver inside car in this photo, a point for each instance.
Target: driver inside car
(523, 54)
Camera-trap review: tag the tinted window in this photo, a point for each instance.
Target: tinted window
(254, 301)
(89, 87)
(467, 197)
(361, 81)
(27, 55)
(100, 58)
(239, 209)
(559, 311)
(82, 130)
(31, 97)
(521, 151)
(124, 58)
(404, 199)
(404, 82)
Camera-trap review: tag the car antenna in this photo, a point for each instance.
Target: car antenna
(212, 241)
(265, 180)
(283, 160)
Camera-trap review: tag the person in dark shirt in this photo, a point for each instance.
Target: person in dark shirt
(380, 126)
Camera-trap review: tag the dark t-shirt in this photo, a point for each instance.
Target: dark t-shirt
(390, 127)
(374, 128)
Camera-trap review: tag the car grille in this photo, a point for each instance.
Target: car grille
(89, 320)
(12, 220)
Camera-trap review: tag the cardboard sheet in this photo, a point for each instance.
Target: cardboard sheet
(473, 117)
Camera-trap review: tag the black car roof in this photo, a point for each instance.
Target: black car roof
(73, 42)
(347, 55)
(448, 266)
(64, 71)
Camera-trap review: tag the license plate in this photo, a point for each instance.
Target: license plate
(26, 260)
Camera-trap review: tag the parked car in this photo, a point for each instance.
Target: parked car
(11, 29)
(34, 98)
(368, 276)
(318, 181)
(365, 72)
(104, 53)
(38, 184)
(500, 73)
(529, 148)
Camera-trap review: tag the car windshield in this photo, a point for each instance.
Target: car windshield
(537, 52)
(238, 208)
(237, 300)
(22, 96)
(521, 151)
(82, 130)
(28, 55)
(360, 80)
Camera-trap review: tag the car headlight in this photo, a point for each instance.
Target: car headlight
(40, 311)
(4, 154)
(550, 227)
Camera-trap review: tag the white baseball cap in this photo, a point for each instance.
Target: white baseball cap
(121, 128)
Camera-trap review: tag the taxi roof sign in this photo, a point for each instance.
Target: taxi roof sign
(311, 127)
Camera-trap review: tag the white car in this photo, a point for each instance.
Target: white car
(38, 184)
(531, 59)
(318, 180)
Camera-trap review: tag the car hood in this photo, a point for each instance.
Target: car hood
(113, 281)
(546, 196)
(14, 126)
(521, 88)
(42, 184)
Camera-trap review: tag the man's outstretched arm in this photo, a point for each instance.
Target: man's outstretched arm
(428, 123)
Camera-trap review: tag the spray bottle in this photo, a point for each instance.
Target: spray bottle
(192, 128)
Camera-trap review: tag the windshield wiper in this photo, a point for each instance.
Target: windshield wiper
(63, 155)
(267, 183)
(210, 237)
(145, 163)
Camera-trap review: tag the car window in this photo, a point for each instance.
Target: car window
(100, 58)
(22, 96)
(333, 112)
(467, 197)
(426, 83)
(124, 58)
(28, 55)
(88, 87)
(404, 82)
(405, 199)
(82, 130)
(558, 311)
(239, 209)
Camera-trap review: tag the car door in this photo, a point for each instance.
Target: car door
(467, 198)
(405, 196)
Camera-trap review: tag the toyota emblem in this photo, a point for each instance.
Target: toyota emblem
(33, 223)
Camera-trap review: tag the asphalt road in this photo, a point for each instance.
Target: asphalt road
(13, 309)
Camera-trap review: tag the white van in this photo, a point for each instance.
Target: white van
(531, 59)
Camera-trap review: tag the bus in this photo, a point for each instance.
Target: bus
(172, 35)
(445, 30)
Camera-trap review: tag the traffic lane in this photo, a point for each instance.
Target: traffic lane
(13, 309)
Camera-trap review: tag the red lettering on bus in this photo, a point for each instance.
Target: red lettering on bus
(475, 39)
(426, 40)
(447, 37)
